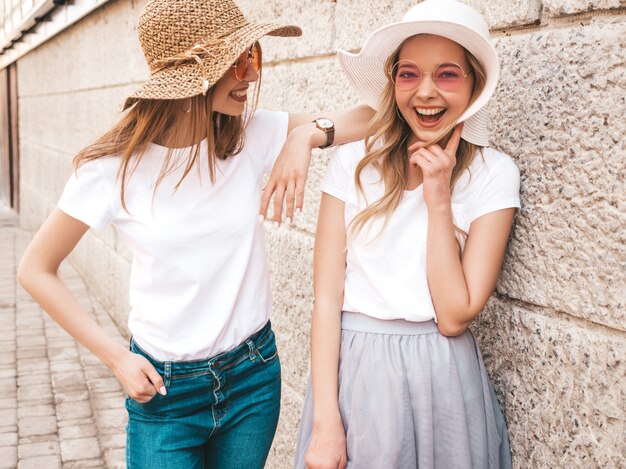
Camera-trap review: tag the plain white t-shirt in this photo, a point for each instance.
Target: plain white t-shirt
(386, 271)
(199, 281)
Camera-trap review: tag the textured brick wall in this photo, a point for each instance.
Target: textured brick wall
(553, 335)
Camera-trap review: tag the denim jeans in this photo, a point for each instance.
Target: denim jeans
(218, 413)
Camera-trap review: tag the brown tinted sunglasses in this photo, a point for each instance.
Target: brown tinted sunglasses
(252, 57)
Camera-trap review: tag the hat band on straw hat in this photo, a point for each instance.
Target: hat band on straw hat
(200, 53)
(211, 47)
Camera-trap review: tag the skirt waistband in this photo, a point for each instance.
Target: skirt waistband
(358, 322)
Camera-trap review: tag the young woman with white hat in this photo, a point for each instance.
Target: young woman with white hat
(180, 178)
(411, 234)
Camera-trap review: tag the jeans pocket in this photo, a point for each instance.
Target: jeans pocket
(151, 404)
(268, 351)
(271, 358)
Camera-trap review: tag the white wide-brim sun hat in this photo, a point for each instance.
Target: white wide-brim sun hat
(448, 18)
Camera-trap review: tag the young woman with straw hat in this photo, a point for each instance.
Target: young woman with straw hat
(411, 234)
(180, 178)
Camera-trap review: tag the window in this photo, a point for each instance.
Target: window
(9, 161)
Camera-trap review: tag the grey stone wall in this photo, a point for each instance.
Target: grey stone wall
(553, 334)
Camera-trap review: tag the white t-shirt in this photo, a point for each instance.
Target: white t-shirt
(199, 281)
(386, 274)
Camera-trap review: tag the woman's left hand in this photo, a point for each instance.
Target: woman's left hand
(437, 165)
(288, 178)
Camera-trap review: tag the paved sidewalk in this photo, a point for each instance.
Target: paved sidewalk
(59, 406)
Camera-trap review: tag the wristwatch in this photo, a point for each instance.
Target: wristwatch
(328, 127)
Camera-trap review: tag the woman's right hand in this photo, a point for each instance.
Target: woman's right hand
(138, 377)
(38, 274)
(327, 449)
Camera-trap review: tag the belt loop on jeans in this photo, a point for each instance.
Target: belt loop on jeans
(168, 374)
(251, 349)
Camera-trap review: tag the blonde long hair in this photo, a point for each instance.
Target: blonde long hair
(150, 120)
(390, 157)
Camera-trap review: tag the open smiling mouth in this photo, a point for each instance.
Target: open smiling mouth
(430, 116)
(239, 95)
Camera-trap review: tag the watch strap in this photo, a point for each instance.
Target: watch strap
(330, 137)
(330, 134)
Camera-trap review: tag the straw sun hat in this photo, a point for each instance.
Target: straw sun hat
(190, 44)
(448, 18)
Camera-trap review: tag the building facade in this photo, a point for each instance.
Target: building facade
(553, 334)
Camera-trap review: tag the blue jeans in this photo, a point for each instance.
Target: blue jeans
(218, 413)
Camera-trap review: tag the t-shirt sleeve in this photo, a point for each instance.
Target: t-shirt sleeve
(88, 195)
(266, 133)
(338, 173)
(501, 189)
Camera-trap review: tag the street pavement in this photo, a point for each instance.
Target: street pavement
(59, 406)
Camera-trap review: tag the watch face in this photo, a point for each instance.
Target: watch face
(325, 123)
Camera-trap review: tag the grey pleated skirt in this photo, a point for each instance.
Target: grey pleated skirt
(410, 397)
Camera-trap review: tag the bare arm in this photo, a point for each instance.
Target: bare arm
(38, 274)
(327, 448)
(350, 124)
(288, 177)
(459, 285)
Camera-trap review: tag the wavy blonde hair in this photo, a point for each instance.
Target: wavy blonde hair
(390, 157)
(151, 120)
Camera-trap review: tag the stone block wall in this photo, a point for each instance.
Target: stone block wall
(554, 333)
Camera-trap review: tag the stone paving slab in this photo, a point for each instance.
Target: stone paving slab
(60, 407)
